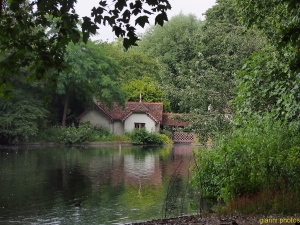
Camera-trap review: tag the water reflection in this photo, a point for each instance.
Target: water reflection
(40, 186)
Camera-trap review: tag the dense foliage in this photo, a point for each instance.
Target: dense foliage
(266, 83)
(73, 135)
(262, 155)
(171, 45)
(144, 137)
(200, 60)
(92, 75)
(25, 41)
(21, 117)
(140, 74)
(134, 63)
(278, 19)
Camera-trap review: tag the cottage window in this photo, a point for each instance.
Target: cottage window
(139, 125)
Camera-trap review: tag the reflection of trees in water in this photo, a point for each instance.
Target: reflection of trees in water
(176, 194)
(139, 167)
(178, 191)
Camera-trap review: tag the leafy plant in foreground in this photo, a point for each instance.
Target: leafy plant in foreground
(261, 155)
(142, 136)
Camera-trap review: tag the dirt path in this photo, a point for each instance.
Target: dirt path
(213, 219)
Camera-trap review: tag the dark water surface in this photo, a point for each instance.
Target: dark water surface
(115, 186)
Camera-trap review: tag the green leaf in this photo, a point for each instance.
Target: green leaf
(142, 20)
(120, 4)
(160, 18)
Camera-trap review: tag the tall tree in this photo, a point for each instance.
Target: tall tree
(24, 41)
(278, 19)
(203, 83)
(91, 74)
(134, 63)
(172, 45)
(23, 115)
(148, 89)
(274, 70)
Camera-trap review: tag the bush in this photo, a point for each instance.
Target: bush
(261, 155)
(52, 134)
(21, 117)
(166, 139)
(142, 136)
(72, 135)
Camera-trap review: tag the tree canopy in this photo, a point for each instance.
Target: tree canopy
(172, 45)
(92, 74)
(25, 41)
(269, 80)
(134, 63)
(201, 59)
(278, 19)
(22, 116)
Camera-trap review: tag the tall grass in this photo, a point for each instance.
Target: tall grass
(83, 133)
(144, 137)
(259, 157)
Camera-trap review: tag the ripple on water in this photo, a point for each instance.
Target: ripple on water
(114, 187)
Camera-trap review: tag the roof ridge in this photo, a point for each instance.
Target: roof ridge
(140, 104)
(104, 111)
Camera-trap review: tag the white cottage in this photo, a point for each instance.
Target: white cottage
(118, 119)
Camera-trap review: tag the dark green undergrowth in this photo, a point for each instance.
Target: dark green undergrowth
(71, 135)
(87, 133)
(142, 136)
(255, 170)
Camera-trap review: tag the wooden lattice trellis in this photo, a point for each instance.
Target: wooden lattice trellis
(183, 137)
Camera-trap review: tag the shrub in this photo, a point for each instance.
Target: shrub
(21, 117)
(263, 154)
(72, 135)
(166, 139)
(142, 136)
(52, 134)
(85, 132)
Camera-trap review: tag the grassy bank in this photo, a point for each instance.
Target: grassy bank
(254, 170)
(87, 133)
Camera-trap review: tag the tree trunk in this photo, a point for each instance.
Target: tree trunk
(66, 104)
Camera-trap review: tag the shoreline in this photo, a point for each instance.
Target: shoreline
(89, 144)
(215, 219)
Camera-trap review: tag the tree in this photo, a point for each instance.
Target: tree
(172, 45)
(92, 74)
(22, 116)
(269, 79)
(222, 12)
(278, 19)
(134, 63)
(203, 83)
(267, 84)
(148, 89)
(25, 42)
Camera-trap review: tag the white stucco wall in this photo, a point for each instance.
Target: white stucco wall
(157, 127)
(139, 118)
(118, 128)
(96, 119)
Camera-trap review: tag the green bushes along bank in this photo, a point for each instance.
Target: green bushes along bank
(256, 170)
(87, 133)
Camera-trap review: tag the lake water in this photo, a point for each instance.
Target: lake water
(115, 186)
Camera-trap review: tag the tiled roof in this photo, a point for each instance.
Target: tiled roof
(168, 121)
(152, 109)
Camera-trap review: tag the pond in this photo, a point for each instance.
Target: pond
(114, 185)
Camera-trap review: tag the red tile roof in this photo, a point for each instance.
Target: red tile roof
(152, 109)
(168, 121)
